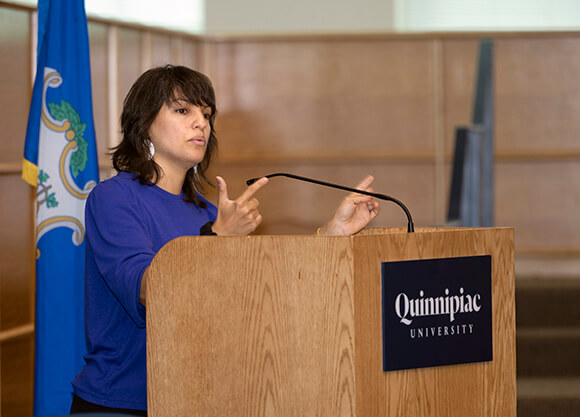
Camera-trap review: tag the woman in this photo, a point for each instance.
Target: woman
(167, 146)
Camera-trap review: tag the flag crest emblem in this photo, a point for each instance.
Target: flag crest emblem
(63, 155)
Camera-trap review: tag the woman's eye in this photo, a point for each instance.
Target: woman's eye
(207, 116)
(182, 111)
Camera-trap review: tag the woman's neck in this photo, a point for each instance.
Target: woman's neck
(171, 180)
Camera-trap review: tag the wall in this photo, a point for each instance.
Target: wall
(299, 16)
(16, 228)
(331, 107)
(338, 107)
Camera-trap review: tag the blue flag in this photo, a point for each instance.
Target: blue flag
(60, 160)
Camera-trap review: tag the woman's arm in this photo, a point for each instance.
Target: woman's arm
(119, 243)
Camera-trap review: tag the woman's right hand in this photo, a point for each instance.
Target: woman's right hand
(238, 217)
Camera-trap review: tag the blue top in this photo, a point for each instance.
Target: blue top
(126, 225)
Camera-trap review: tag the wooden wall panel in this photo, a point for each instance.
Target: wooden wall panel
(99, 72)
(17, 376)
(130, 67)
(459, 78)
(16, 253)
(161, 50)
(295, 207)
(130, 41)
(538, 95)
(324, 99)
(192, 50)
(16, 295)
(540, 200)
(16, 256)
(15, 82)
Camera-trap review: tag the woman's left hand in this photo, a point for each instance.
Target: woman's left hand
(353, 213)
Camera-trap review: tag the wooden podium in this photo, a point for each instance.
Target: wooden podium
(290, 326)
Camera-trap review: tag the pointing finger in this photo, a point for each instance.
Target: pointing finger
(252, 189)
(222, 189)
(364, 184)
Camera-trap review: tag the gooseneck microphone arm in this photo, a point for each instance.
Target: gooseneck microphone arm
(410, 225)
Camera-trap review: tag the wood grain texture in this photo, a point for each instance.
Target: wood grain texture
(314, 97)
(290, 326)
(14, 82)
(537, 96)
(540, 200)
(294, 207)
(270, 334)
(481, 389)
(16, 376)
(459, 74)
(16, 253)
(98, 34)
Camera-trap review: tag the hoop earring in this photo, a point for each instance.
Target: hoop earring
(151, 151)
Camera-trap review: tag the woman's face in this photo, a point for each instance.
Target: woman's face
(180, 133)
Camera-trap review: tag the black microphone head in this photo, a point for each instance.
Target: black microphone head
(251, 181)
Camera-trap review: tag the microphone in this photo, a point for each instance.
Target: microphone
(410, 225)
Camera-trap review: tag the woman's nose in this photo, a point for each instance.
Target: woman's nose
(199, 119)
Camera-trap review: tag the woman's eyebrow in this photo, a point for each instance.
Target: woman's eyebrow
(178, 101)
(182, 101)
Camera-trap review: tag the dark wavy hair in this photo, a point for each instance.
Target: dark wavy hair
(153, 89)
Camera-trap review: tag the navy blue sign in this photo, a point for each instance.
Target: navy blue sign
(436, 312)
